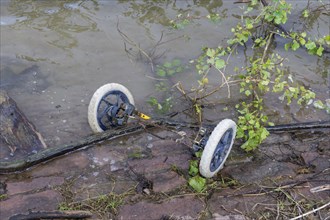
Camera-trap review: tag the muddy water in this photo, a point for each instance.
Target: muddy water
(55, 54)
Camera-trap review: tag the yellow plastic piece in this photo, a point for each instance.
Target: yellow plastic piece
(143, 116)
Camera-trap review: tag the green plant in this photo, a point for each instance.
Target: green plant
(3, 196)
(165, 70)
(198, 183)
(195, 181)
(250, 124)
(63, 206)
(161, 107)
(264, 72)
(168, 69)
(182, 20)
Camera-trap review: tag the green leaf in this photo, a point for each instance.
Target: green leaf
(292, 89)
(193, 168)
(327, 39)
(167, 65)
(198, 183)
(248, 24)
(161, 72)
(171, 72)
(220, 63)
(176, 62)
(320, 51)
(319, 104)
(247, 92)
(303, 34)
(179, 69)
(295, 45)
(210, 52)
(264, 134)
(287, 46)
(302, 41)
(152, 101)
(305, 13)
(271, 124)
(310, 45)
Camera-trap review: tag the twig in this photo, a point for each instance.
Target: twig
(132, 43)
(224, 78)
(217, 89)
(311, 212)
(320, 188)
(266, 48)
(53, 215)
(154, 78)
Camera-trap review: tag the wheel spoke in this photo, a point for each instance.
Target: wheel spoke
(106, 101)
(117, 99)
(103, 113)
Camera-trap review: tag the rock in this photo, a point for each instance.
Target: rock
(277, 138)
(69, 164)
(178, 208)
(41, 201)
(309, 157)
(228, 201)
(36, 184)
(279, 152)
(216, 216)
(165, 182)
(166, 155)
(321, 163)
(257, 172)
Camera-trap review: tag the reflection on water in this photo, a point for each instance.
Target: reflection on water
(163, 12)
(62, 18)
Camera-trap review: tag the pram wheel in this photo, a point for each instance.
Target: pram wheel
(217, 148)
(103, 101)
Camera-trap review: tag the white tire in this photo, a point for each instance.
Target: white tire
(102, 97)
(217, 148)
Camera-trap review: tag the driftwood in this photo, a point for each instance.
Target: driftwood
(50, 153)
(16, 130)
(53, 215)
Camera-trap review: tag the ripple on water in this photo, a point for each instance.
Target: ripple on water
(51, 11)
(10, 20)
(71, 6)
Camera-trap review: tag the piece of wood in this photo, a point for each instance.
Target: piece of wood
(53, 215)
(17, 132)
(53, 152)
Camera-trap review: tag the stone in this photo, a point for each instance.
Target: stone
(33, 185)
(277, 138)
(42, 201)
(216, 216)
(67, 165)
(309, 157)
(223, 203)
(257, 172)
(187, 207)
(165, 182)
(158, 169)
(279, 151)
